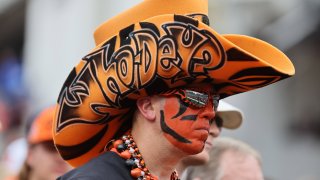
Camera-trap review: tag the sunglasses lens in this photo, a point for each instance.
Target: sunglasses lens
(197, 99)
(194, 98)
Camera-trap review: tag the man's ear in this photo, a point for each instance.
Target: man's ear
(146, 108)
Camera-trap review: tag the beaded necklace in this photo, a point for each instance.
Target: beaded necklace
(126, 148)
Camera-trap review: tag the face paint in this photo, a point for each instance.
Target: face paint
(186, 117)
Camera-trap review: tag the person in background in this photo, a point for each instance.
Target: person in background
(230, 159)
(227, 116)
(14, 156)
(42, 161)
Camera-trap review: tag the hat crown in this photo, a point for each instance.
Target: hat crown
(145, 10)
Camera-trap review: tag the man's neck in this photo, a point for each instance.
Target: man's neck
(181, 167)
(159, 155)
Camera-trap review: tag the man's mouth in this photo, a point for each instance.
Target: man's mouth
(205, 128)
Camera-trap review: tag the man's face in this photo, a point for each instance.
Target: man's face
(45, 162)
(186, 117)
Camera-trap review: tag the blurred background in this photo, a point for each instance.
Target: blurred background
(41, 41)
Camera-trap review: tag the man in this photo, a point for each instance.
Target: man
(143, 98)
(230, 159)
(227, 116)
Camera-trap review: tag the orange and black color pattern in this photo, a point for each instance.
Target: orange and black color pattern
(152, 56)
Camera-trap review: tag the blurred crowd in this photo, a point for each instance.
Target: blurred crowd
(18, 152)
(12, 108)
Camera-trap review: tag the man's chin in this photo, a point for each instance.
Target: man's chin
(195, 145)
(197, 159)
(193, 149)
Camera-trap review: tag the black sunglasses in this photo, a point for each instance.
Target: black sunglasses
(194, 98)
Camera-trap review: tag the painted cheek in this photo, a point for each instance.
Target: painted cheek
(170, 107)
(191, 141)
(173, 115)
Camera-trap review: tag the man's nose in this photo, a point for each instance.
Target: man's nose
(208, 112)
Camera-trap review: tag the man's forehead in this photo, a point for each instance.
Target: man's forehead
(202, 87)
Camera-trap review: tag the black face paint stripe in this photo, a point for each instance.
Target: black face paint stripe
(165, 128)
(182, 109)
(190, 117)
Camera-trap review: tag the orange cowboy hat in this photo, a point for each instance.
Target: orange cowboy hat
(154, 46)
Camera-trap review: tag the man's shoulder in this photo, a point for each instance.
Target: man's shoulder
(107, 166)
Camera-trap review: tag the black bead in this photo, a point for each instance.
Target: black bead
(130, 162)
(121, 148)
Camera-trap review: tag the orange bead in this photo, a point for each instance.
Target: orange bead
(117, 142)
(125, 154)
(136, 172)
